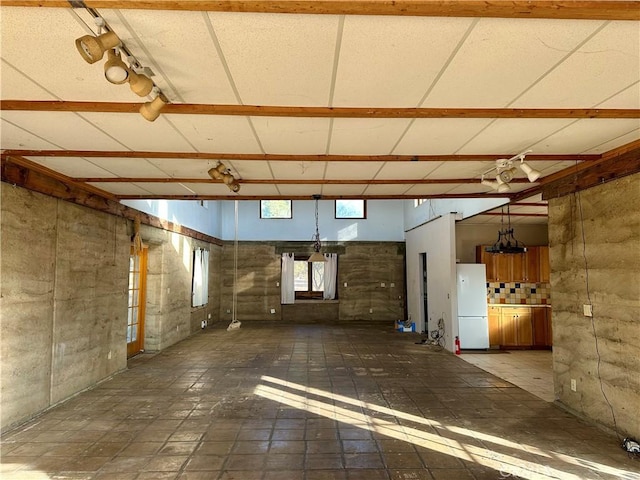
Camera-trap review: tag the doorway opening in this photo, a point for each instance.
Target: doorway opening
(425, 290)
(137, 301)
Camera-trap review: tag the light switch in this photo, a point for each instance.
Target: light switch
(588, 310)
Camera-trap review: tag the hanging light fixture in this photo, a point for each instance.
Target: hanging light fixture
(92, 48)
(222, 173)
(532, 173)
(506, 242)
(316, 256)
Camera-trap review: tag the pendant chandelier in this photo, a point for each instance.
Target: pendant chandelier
(506, 242)
(316, 256)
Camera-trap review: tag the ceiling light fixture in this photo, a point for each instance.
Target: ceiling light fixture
(505, 172)
(316, 256)
(115, 70)
(222, 173)
(151, 110)
(506, 242)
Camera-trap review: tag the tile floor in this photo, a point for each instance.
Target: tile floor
(309, 402)
(531, 370)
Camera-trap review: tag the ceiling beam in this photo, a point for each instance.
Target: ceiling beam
(309, 197)
(568, 9)
(320, 112)
(420, 181)
(298, 158)
(512, 214)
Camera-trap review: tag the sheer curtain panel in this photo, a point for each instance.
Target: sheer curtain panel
(287, 290)
(330, 274)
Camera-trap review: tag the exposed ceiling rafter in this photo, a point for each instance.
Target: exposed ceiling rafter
(568, 9)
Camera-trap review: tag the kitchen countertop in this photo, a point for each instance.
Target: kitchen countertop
(518, 305)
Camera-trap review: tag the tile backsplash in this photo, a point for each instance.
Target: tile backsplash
(519, 293)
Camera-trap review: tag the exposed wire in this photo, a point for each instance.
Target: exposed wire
(593, 321)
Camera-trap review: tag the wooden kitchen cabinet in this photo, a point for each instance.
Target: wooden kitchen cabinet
(517, 330)
(495, 333)
(541, 321)
(529, 267)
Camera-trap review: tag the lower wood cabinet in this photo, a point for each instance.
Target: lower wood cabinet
(519, 327)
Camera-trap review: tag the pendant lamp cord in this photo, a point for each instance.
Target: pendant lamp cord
(235, 266)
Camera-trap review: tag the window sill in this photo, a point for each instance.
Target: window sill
(315, 301)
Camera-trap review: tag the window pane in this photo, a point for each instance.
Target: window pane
(350, 209)
(301, 276)
(129, 334)
(275, 209)
(318, 276)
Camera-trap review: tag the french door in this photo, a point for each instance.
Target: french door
(137, 294)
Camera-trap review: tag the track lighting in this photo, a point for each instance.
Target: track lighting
(532, 173)
(505, 172)
(141, 85)
(115, 70)
(151, 110)
(222, 173)
(92, 48)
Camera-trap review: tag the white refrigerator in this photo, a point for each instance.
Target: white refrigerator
(473, 323)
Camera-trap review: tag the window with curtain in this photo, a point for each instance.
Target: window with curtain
(315, 280)
(200, 285)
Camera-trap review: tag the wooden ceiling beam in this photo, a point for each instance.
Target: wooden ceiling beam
(309, 197)
(298, 158)
(420, 181)
(568, 9)
(320, 112)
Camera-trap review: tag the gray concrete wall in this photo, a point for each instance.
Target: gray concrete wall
(364, 266)
(63, 297)
(64, 300)
(594, 240)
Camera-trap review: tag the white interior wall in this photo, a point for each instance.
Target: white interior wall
(437, 239)
(432, 208)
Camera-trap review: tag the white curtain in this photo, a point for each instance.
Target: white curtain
(200, 287)
(330, 274)
(287, 289)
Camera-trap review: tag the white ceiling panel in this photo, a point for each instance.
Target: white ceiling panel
(351, 170)
(586, 134)
(73, 166)
(409, 54)
(183, 167)
(217, 188)
(615, 142)
(386, 189)
(65, 129)
(121, 188)
(299, 190)
(433, 136)
(187, 66)
(164, 188)
(366, 136)
(15, 137)
(292, 135)
(129, 167)
(138, 134)
(513, 134)
(461, 169)
(16, 86)
(407, 170)
(340, 189)
(217, 133)
(53, 62)
(419, 191)
(627, 98)
(606, 64)
(300, 170)
(501, 58)
(279, 59)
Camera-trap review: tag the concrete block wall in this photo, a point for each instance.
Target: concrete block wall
(600, 227)
(363, 266)
(64, 300)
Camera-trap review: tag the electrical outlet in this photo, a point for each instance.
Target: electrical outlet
(392, 285)
(383, 284)
(273, 310)
(209, 317)
(228, 310)
(345, 284)
(371, 310)
(574, 385)
(109, 355)
(587, 310)
(277, 284)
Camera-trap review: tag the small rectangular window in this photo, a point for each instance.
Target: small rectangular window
(419, 201)
(276, 209)
(308, 278)
(351, 209)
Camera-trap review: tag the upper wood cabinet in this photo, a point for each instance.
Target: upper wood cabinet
(530, 267)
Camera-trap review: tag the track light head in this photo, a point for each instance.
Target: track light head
(141, 85)
(503, 187)
(115, 70)
(507, 174)
(489, 183)
(92, 48)
(234, 187)
(151, 110)
(532, 173)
